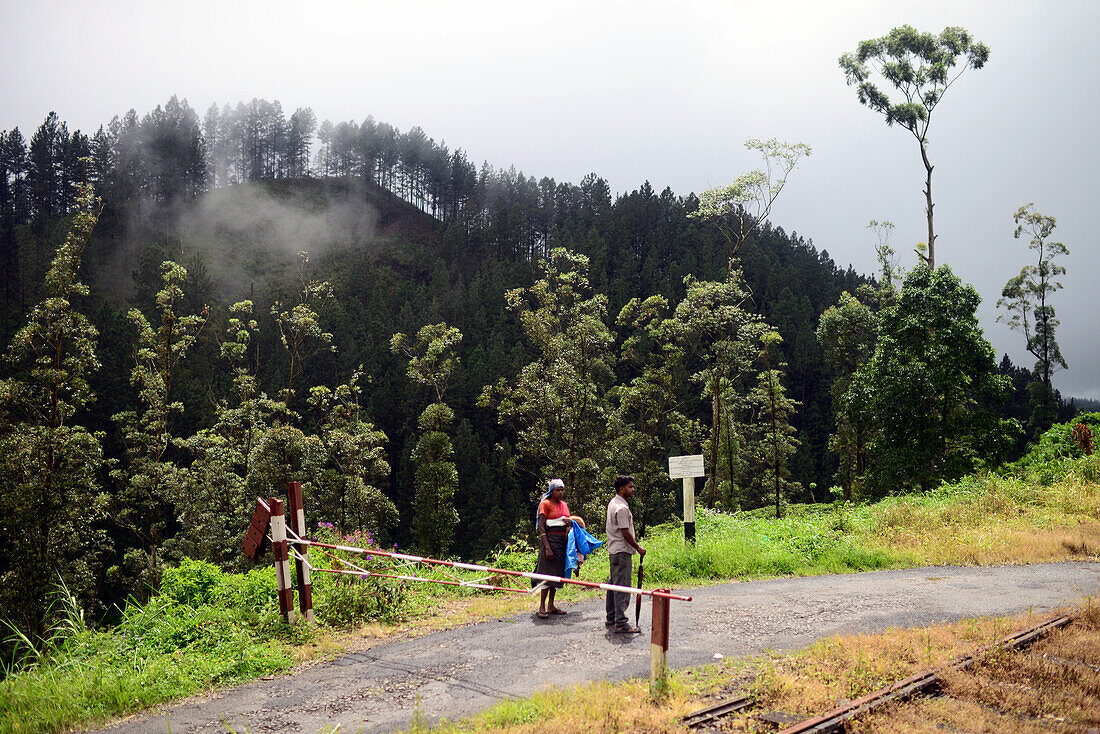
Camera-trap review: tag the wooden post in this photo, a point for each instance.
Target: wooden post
(658, 648)
(689, 509)
(279, 548)
(298, 524)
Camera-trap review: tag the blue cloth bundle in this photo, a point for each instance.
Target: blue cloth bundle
(580, 542)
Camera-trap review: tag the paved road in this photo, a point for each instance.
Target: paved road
(459, 672)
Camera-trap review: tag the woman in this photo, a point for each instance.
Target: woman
(553, 526)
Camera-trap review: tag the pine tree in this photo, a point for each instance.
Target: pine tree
(431, 363)
(13, 212)
(151, 478)
(775, 434)
(49, 467)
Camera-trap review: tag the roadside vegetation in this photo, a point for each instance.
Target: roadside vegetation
(208, 628)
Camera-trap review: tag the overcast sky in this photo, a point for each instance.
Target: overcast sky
(635, 91)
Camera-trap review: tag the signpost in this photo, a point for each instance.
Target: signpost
(687, 468)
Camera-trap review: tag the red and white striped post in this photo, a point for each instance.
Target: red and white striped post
(301, 567)
(658, 647)
(281, 550)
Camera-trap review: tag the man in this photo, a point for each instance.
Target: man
(621, 546)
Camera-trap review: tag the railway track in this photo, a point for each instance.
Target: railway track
(711, 714)
(925, 680)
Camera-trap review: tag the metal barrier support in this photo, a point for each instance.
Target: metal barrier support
(281, 550)
(255, 539)
(301, 563)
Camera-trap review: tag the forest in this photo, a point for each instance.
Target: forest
(198, 309)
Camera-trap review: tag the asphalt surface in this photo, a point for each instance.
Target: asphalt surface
(459, 672)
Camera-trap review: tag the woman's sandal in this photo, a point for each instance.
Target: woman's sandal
(555, 610)
(542, 615)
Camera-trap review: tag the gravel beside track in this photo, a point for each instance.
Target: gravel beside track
(459, 672)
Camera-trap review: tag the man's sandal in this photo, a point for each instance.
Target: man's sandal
(542, 615)
(627, 630)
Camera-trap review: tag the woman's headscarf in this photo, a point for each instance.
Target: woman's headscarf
(550, 487)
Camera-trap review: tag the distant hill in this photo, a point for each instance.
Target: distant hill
(248, 235)
(1086, 405)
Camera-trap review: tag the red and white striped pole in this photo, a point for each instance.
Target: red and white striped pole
(301, 566)
(489, 569)
(281, 550)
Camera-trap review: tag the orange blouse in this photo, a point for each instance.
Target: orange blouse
(552, 511)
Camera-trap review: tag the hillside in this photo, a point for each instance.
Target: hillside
(609, 327)
(396, 268)
(248, 235)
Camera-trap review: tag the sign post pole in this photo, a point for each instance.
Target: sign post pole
(687, 468)
(689, 509)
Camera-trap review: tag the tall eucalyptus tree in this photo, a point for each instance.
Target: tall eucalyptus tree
(921, 67)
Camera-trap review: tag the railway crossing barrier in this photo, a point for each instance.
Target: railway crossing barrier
(289, 539)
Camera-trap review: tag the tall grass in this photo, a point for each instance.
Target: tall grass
(981, 519)
(205, 628)
(161, 650)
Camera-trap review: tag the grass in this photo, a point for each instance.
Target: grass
(160, 651)
(990, 519)
(983, 519)
(596, 707)
(209, 629)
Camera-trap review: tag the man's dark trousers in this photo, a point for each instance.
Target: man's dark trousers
(617, 602)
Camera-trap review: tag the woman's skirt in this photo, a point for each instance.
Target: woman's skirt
(552, 566)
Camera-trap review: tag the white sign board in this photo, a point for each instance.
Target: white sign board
(684, 467)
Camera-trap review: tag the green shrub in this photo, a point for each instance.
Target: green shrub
(1055, 453)
(516, 554)
(193, 582)
(160, 651)
(253, 595)
(346, 600)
